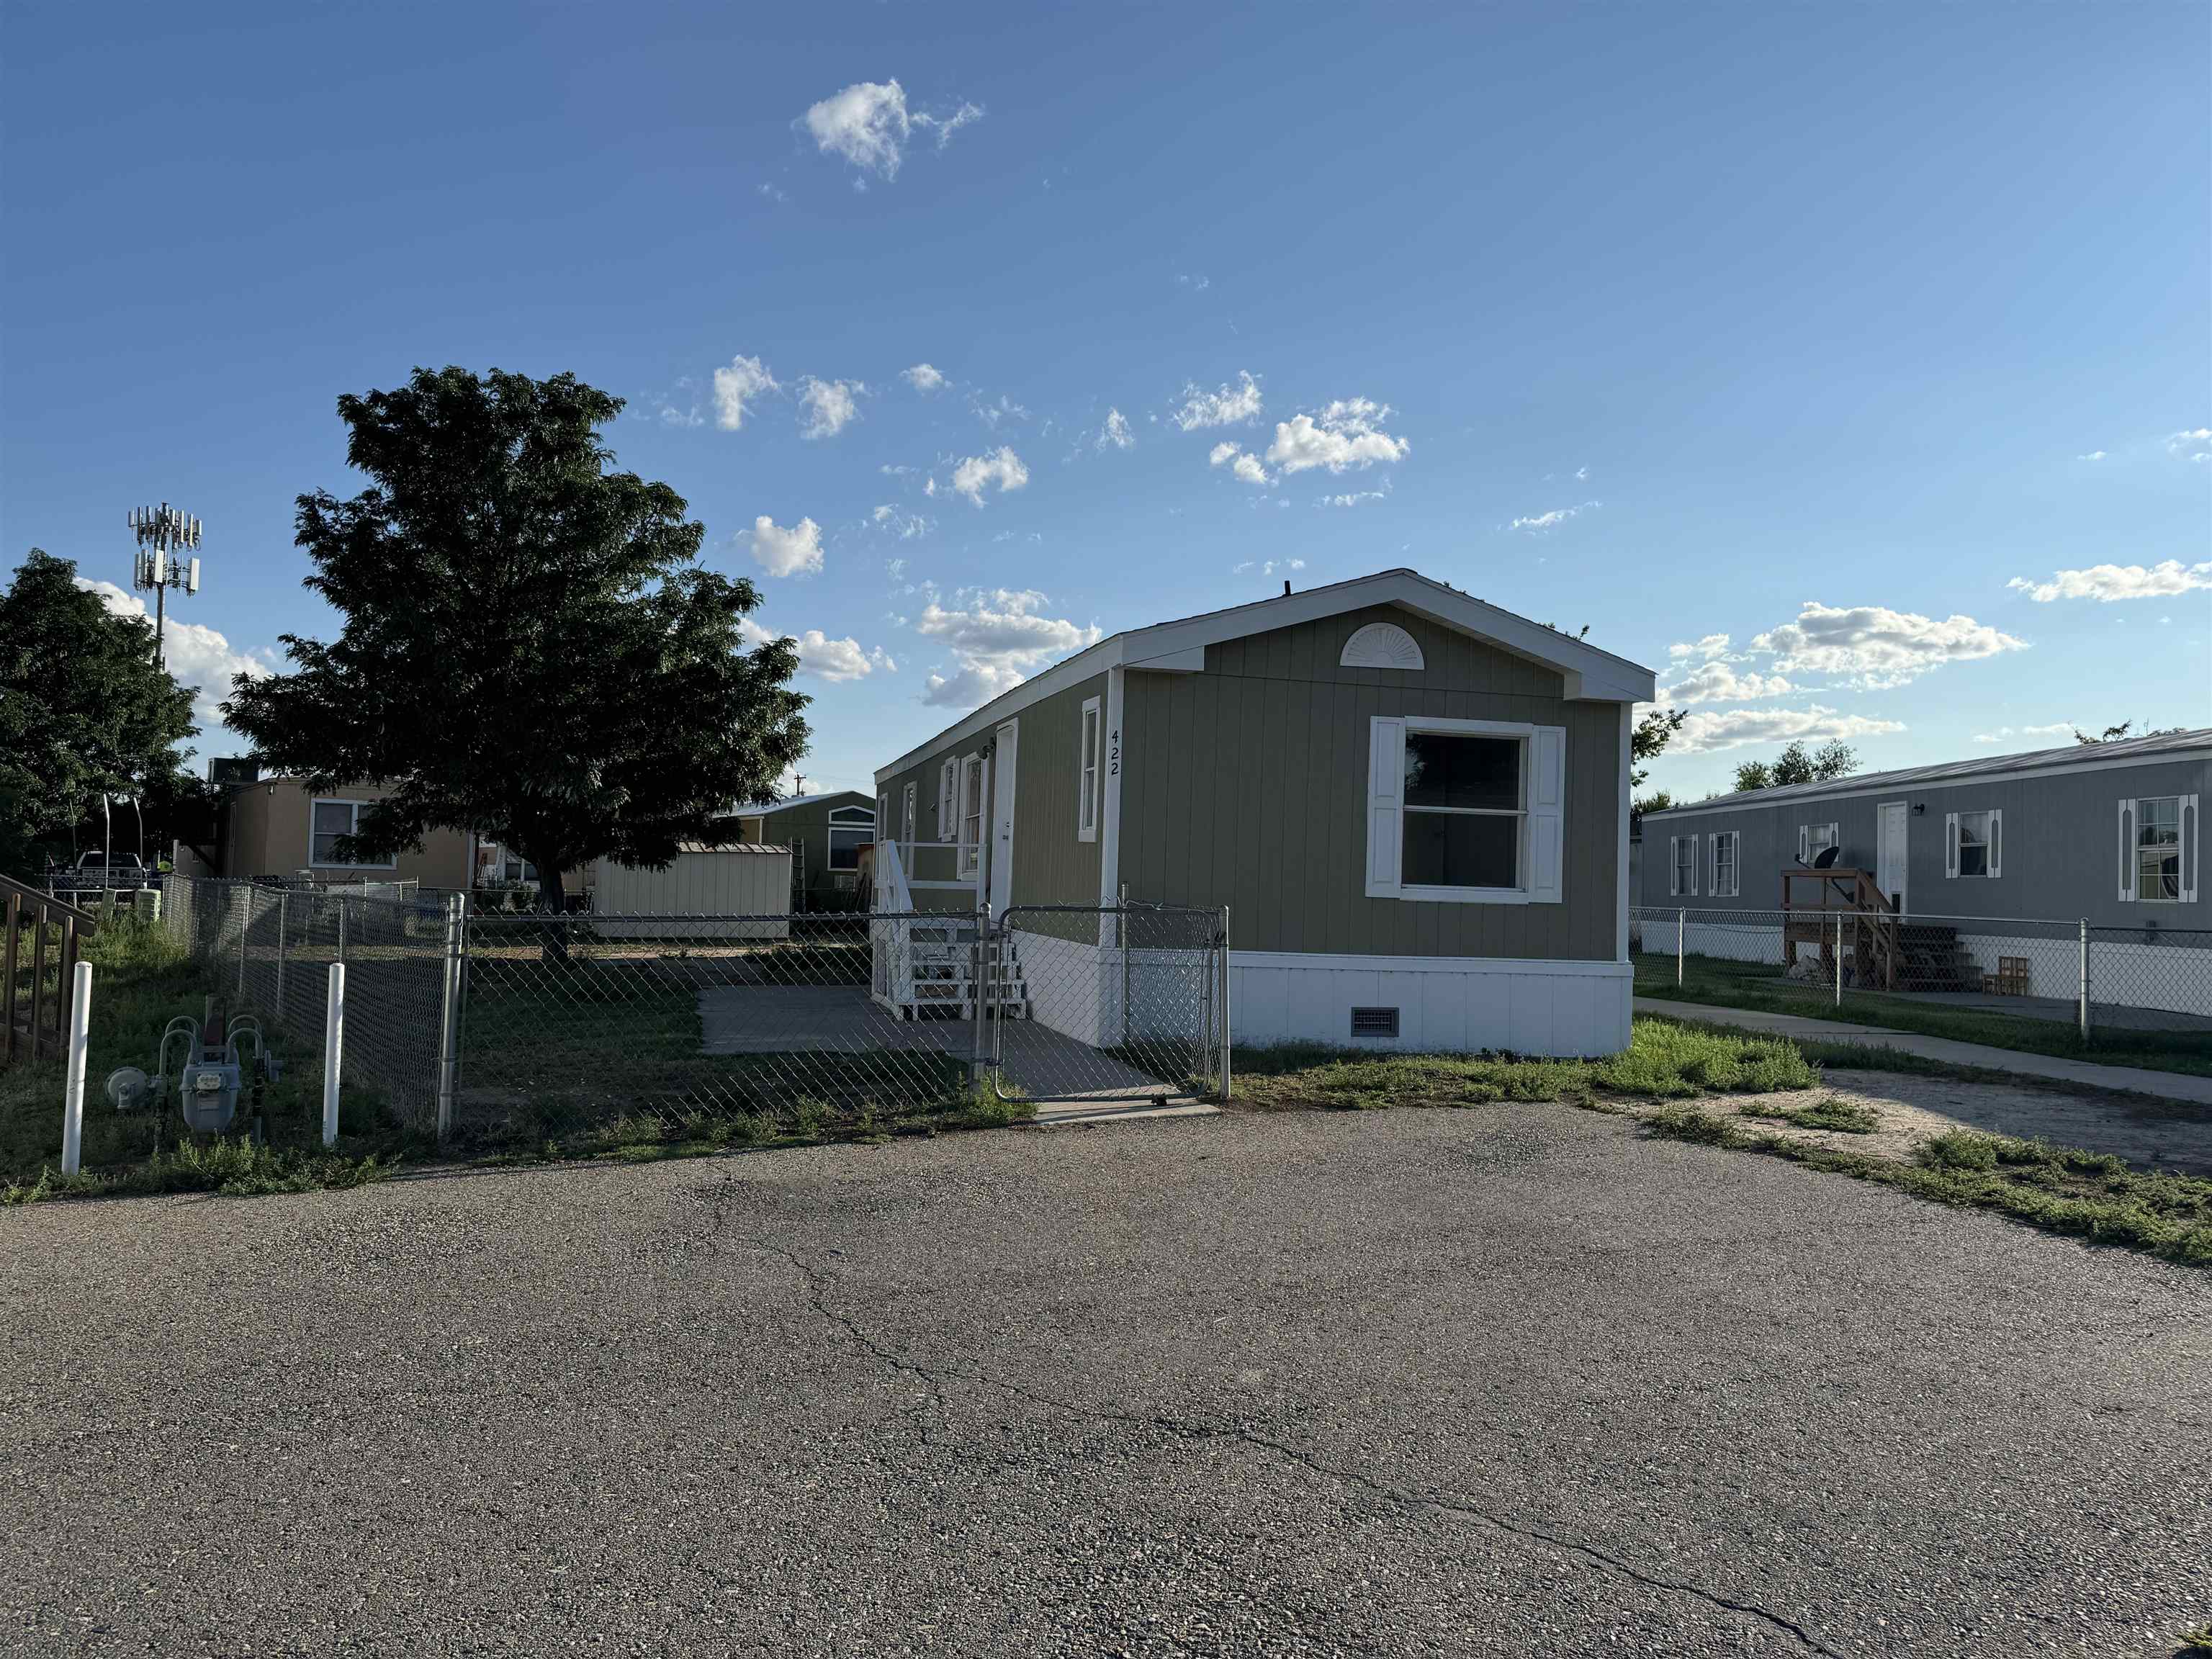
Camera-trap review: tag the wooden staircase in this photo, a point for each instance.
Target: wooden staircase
(926, 966)
(1930, 958)
(1850, 903)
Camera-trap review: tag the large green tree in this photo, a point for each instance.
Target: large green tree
(530, 650)
(1798, 764)
(83, 710)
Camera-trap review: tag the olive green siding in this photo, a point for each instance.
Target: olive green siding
(805, 830)
(1247, 785)
(1051, 866)
(933, 863)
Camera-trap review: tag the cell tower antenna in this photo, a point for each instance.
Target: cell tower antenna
(169, 556)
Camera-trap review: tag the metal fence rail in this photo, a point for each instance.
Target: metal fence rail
(2143, 979)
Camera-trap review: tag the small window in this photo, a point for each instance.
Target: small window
(906, 826)
(1685, 866)
(947, 799)
(1086, 801)
(1463, 810)
(329, 820)
(1727, 846)
(1815, 839)
(1374, 1022)
(971, 814)
(2158, 848)
(1974, 829)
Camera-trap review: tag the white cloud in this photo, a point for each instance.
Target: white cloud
(907, 526)
(1716, 682)
(793, 552)
(829, 406)
(998, 639)
(1352, 498)
(746, 377)
(1240, 461)
(2006, 733)
(1116, 432)
(923, 377)
(1226, 407)
(1268, 567)
(867, 123)
(1005, 410)
(1554, 518)
(2191, 446)
(946, 125)
(823, 658)
(2093, 455)
(1197, 282)
(2108, 582)
(973, 475)
(194, 654)
(1875, 647)
(1703, 733)
(1344, 434)
(1711, 647)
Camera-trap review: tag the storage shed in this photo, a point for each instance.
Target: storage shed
(741, 891)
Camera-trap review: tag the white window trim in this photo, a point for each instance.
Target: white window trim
(1674, 845)
(969, 856)
(1090, 741)
(1734, 839)
(1807, 850)
(1541, 812)
(2186, 816)
(1992, 845)
(315, 863)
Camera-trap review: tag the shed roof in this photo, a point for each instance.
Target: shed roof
(1589, 673)
(2074, 756)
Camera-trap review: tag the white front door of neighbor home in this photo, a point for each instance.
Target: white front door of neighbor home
(1002, 818)
(1889, 858)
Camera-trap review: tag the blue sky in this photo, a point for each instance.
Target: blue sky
(1798, 327)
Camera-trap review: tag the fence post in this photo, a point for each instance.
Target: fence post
(278, 1014)
(1225, 1004)
(1682, 927)
(2083, 1014)
(449, 1042)
(1839, 959)
(980, 1056)
(333, 1049)
(80, 1041)
(341, 927)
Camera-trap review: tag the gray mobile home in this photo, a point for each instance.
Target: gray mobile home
(2105, 835)
(1413, 805)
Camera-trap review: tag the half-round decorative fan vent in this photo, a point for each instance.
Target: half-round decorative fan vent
(1382, 645)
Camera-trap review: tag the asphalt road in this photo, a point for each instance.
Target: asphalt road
(1506, 1382)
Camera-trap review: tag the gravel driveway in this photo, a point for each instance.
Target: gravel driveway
(1508, 1381)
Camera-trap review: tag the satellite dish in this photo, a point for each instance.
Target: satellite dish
(1825, 858)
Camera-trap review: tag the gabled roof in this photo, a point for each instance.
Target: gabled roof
(2074, 757)
(1590, 675)
(763, 809)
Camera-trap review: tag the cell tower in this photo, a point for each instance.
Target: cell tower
(164, 532)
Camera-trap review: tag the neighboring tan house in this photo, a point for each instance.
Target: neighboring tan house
(1414, 803)
(825, 833)
(278, 827)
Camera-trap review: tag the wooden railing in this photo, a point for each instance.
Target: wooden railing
(26, 1008)
(1846, 904)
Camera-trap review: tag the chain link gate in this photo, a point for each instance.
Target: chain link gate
(1105, 1004)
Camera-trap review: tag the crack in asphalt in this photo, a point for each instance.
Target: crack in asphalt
(817, 1280)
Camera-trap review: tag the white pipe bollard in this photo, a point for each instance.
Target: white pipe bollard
(80, 1044)
(333, 1049)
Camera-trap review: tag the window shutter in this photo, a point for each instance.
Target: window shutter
(1691, 890)
(1547, 813)
(2189, 849)
(1804, 843)
(1713, 862)
(1950, 844)
(1996, 844)
(1386, 802)
(2127, 850)
(947, 821)
(1673, 866)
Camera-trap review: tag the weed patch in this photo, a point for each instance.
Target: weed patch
(1844, 1117)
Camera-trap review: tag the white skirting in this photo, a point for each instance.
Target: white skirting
(1448, 1005)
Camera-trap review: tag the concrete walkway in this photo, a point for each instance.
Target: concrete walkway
(2167, 1085)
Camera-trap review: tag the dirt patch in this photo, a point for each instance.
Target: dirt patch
(1909, 1109)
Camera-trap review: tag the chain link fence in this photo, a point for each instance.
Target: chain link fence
(1108, 1004)
(503, 1029)
(2114, 980)
(267, 949)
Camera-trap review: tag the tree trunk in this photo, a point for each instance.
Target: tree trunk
(553, 905)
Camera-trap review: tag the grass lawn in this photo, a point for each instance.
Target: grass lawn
(1664, 1060)
(1760, 987)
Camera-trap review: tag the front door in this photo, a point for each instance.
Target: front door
(1002, 818)
(1889, 858)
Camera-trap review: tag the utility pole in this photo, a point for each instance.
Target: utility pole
(162, 533)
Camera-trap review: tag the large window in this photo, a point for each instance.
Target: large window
(1463, 810)
(851, 828)
(2158, 847)
(330, 820)
(971, 814)
(1974, 837)
(1086, 804)
(1727, 863)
